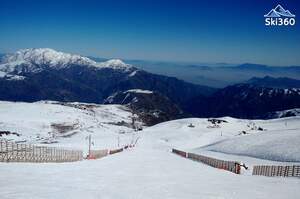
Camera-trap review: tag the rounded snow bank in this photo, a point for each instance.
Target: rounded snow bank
(281, 146)
(276, 139)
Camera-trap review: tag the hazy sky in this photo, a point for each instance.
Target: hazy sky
(196, 31)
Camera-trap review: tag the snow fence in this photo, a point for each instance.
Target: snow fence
(231, 166)
(15, 152)
(96, 154)
(284, 171)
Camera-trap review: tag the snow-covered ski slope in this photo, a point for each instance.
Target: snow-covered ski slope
(149, 170)
(65, 125)
(276, 140)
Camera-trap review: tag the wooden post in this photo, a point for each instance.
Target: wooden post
(90, 143)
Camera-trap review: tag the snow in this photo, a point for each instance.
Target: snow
(37, 58)
(149, 170)
(274, 144)
(139, 173)
(133, 73)
(266, 145)
(15, 77)
(279, 141)
(284, 113)
(275, 91)
(11, 77)
(139, 91)
(110, 98)
(40, 56)
(116, 64)
(2, 74)
(36, 123)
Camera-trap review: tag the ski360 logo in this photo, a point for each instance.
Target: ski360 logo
(280, 17)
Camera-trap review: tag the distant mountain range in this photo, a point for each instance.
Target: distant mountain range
(216, 75)
(271, 82)
(45, 74)
(245, 101)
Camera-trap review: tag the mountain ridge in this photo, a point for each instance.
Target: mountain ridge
(94, 82)
(90, 82)
(37, 59)
(245, 101)
(272, 82)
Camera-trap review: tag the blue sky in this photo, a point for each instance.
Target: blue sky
(191, 31)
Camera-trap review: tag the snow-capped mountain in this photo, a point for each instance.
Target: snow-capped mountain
(115, 64)
(284, 113)
(44, 74)
(246, 101)
(36, 59)
(151, 107)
